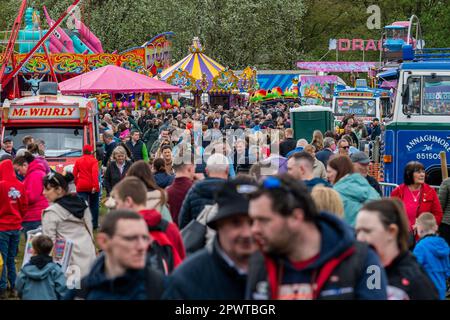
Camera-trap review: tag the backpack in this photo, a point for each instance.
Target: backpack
(162, 255)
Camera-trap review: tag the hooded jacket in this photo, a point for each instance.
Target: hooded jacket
(153, 218)
(13, 198)
(41, 279)
(70, 218)
(355, 191)
(201, 194)
(432, 253)
(154, 202)
(85, 172)
(204, 276)
(339, 271)
(408, 281)
(34, 187)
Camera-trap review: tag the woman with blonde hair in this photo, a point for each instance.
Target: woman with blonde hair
(328, 200)
(317, 140)
(117, 168)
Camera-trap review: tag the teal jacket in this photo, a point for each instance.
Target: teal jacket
(355, 191)
(48, 283)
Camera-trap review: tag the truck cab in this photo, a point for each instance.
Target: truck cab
(419, 128)
(64, 123)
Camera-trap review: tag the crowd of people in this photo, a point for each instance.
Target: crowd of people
(215, 203)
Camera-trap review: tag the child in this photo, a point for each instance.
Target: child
(432, 252)
(41, 278)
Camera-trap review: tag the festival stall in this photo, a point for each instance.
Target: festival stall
(112, 80)
(200, 74)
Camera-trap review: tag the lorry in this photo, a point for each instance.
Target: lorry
(64, 123)
(419, 127)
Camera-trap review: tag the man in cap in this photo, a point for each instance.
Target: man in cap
(361, 165)
(8, 146)
(219, 272)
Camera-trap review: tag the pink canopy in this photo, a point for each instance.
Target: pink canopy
(114, 79)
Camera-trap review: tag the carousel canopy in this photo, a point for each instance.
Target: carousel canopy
(199, 73)
(114, 79)
(195, 64)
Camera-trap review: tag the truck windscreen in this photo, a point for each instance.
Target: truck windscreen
(358, 107)
(59, 142)
(436, 100)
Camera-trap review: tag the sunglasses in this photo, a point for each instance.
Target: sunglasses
(52, 177)
(345, 147)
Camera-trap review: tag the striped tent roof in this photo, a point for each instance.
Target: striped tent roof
(195, 64)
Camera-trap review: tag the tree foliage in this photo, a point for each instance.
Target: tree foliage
(268, 34)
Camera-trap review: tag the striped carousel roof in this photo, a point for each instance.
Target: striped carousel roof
(195, 64)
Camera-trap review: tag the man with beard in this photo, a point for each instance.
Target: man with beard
(219, 272)
(307, 254)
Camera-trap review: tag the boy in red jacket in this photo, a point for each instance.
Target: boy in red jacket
(13, 204)
(86, 176)
(131, 194)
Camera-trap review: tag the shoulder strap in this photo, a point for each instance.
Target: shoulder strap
(154, 283)
(162, 226)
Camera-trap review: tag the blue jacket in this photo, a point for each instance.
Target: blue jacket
(206, 276)
(47, 283)
(324, 155)
(201, 194)
(310, 184)
(340, 271)
(432, 252)
(163, 179)
(298, 149)
(355, 191)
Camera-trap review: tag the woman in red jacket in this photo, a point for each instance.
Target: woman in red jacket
(86, 176)
(34, 172)
(417, 196)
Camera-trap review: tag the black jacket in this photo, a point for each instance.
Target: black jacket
(145, 284)
(136, 150)
(201, 194)
(206, 276)
(374, 184)
(109, 148)
(113, 176)
(405, 274)
(287, 145)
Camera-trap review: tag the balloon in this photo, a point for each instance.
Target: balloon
(153, 102)
(119, 104)
(133, 104)
(126, 104)
(158, 105)
(168, 100)
(148, 105)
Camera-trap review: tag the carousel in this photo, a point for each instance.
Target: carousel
(199, 74)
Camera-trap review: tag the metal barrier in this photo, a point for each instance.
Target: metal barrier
(387, 188)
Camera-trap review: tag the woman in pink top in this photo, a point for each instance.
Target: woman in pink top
(34, 172)
(417, 196)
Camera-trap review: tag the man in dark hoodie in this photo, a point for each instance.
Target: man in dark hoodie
(306, 255)
(220, 271)
(300, 166)
(122, 271)
(202, 192)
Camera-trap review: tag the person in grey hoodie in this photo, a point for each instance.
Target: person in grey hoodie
(41, 278)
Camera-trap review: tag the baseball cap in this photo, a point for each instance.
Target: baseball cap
(360, 157)
(87, 149)
(7, 138)
(232, 199)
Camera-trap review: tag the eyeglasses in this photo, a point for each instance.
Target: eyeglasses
(135, 239)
